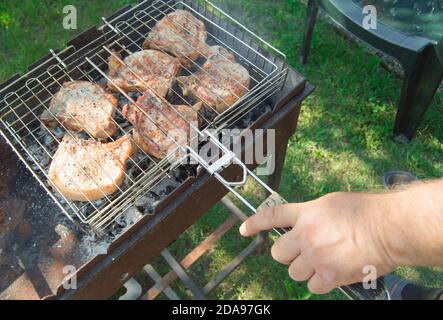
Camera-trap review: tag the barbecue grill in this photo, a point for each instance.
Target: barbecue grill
(36, 143)
(122, 231)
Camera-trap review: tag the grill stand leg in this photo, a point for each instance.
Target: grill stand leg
(192, 257)
(419, 87)
(178, 269)
(282, 138)
(133, 290)
(159, 286)
(218, 279)
(311, 18)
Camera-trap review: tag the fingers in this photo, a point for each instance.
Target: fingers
(300, 269)
(276, 217)
(318, 285)
(285, 249)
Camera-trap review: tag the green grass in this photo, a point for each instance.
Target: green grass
(28, 29)
(343, 141)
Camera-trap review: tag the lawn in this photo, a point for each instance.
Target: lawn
(343, 142)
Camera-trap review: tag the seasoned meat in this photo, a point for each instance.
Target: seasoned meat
(143, 70)
(83, 106)
(85, 170)
(181, 34)
(157, 124)
(220, 83)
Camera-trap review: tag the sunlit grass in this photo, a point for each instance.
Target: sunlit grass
(343, 141)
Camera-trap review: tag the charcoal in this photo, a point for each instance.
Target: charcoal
(207, 113)
(29, 243)
(111, 235)
(149, 209)
(192, 170)
(121, 223)
(103, 81)
(122, 101)
(140, 208)
(134, 95)
(153, 195)
(181, 174)
(119, 118)
(168, 190)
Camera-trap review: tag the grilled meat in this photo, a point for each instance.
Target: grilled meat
(83, 106)
(220, 83)
(87, 170)
(181, 34)
(157, 124)
(143, 70)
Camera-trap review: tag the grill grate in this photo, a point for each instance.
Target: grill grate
(35, 143)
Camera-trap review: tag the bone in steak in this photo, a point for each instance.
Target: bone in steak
(83, 106)
(143, 70)
(220, 83)
(152, 113)
(181, 34)
(87, 170)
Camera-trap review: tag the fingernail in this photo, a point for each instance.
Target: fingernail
(243, 230)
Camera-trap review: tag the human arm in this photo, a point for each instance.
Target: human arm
(336, 236)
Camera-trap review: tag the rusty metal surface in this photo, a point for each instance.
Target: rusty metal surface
(35, 240)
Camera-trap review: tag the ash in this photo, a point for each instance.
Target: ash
(91, 246)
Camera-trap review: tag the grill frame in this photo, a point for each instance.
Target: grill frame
(78, 50)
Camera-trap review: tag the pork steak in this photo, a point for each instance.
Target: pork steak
(83, 106)
(180, 34)
(160, 126)
(143, 70)
(220, 83)
(87, 170)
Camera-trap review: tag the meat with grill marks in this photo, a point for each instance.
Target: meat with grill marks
(220, 83)
(159, 127)
(83, 106)
(143, 70)
(180, 34)
(87, 170)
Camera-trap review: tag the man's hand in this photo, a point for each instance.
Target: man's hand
(332, 238)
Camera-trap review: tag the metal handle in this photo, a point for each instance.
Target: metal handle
(354, 291)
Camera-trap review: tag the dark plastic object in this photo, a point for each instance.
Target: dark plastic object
(400, 289)
(411, 32)
(358, 292)
(396, 178)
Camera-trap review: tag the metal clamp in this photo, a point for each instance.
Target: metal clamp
(227, 159)
(55, 55)
(106, 23)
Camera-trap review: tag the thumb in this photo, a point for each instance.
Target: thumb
(275, 217)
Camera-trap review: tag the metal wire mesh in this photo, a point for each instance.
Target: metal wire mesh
(35, 142)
